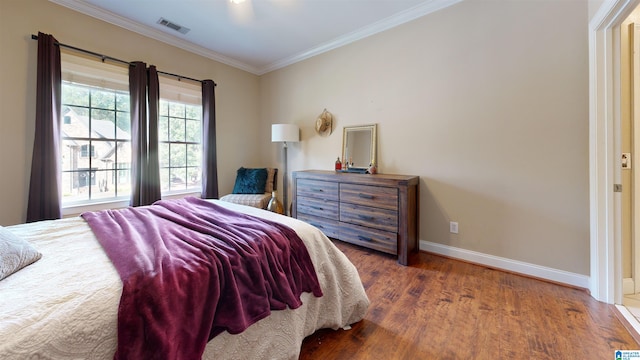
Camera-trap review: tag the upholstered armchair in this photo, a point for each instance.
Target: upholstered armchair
(253, 187)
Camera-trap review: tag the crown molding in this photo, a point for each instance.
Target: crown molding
(410, 14)
(382, 25)
(107, 16)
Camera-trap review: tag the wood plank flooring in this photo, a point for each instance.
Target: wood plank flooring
(440, 308)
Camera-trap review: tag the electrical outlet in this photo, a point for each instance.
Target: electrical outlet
(453, 227)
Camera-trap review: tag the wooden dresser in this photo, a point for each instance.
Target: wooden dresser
(376, 211)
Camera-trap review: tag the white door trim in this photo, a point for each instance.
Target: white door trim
(604, 154)
(635, 151)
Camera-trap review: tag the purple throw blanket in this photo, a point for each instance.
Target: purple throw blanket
(192, 269)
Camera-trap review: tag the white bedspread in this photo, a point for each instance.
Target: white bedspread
(65, 305)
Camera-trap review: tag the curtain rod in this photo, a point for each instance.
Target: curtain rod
(105, 57)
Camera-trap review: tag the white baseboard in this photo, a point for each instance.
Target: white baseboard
(629, 317)
(542, 272)
(628, 286)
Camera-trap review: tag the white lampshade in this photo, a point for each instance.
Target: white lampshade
(285, 133)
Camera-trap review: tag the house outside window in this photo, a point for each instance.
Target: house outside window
(84, 150)
(86, 177)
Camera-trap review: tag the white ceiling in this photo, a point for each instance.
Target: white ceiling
(258, 35)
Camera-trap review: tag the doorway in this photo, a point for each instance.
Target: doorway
(605, 149)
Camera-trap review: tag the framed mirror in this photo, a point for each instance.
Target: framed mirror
(359, 145)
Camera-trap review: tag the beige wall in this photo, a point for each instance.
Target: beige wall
(236, 93)
(487, 101)
(594, 6)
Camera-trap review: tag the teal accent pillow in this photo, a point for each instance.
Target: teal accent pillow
(250, 181)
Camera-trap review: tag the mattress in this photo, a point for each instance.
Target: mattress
(65, 305)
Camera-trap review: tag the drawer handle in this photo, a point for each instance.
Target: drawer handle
(365, 196)
(364, 238)
(317, 190)
(365, 217)
(316, 207)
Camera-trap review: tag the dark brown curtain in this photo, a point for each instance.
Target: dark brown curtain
(144, 171)
(153, 167)
(44, 188)
(209, 159)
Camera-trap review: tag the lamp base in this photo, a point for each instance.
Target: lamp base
(285, 182)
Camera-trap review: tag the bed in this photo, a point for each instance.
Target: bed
(65, 305)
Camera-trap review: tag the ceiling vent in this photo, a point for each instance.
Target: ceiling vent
(173, 26)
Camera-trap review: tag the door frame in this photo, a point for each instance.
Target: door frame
(635, 148)
(604, 149)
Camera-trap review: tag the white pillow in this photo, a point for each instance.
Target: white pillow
(15, 253)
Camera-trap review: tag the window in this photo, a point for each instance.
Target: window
(180, 154)
(96, 133)
(96, 143)
(180, 136)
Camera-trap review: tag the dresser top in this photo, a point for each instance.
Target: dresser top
(355, 177)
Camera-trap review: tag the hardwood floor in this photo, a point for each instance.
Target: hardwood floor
(439, 308)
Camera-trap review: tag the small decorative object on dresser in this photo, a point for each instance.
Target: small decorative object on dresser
(376, 211)
(338, 166)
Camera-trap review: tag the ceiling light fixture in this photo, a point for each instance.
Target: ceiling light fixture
(237, 1)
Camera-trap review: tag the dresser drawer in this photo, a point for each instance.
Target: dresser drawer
(375, 239)
(317, 207)
(378, 196)
(373, 217)
(317, 189)
(327, 226)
